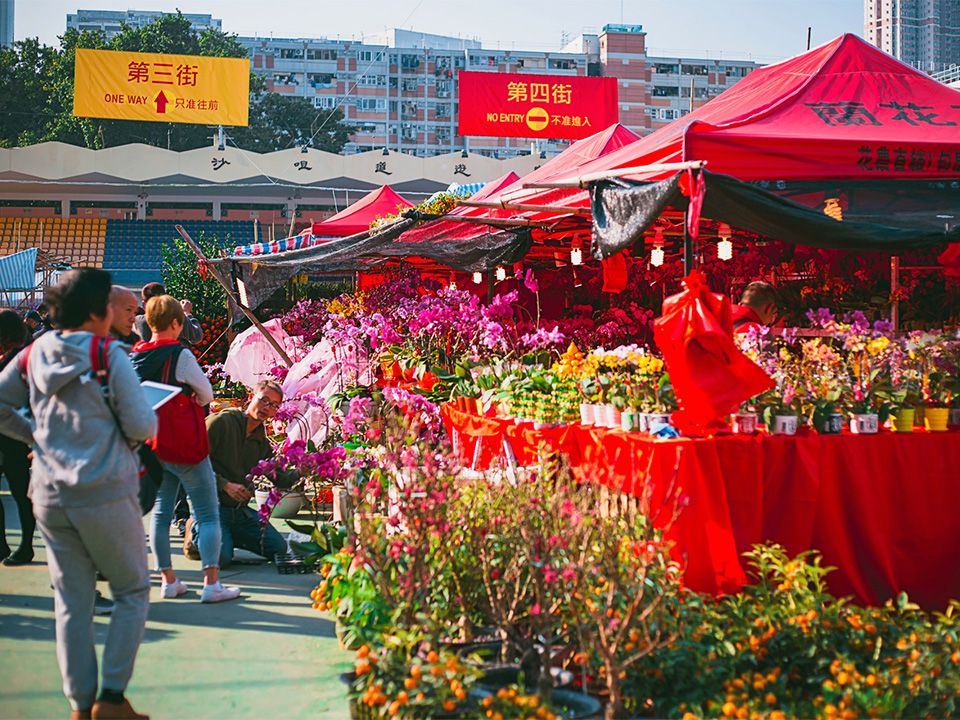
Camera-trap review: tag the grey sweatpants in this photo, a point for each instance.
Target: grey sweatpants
(80, 541)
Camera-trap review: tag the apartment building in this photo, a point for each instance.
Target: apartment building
(111, 22)
(399, 88)
(921, 33)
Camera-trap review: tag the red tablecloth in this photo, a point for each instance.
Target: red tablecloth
(880, 508)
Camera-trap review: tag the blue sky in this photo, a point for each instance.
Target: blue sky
(761, 30)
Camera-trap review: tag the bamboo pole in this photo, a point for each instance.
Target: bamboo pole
(523, 207)
(215, 271)
(583, 180)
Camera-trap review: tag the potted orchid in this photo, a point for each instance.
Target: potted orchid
(297, 469)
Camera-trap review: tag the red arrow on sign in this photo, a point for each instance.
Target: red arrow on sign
(161, 101)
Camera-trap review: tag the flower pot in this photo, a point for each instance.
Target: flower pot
(289, 504)
(744, 424)
(655, 421)
(832, 424)
(903, 420)
(954, 417)
(586, 414)
(642, 422)
(864, 423)
(629, 421)
(784, 425)
(936, 419)
(612, 416)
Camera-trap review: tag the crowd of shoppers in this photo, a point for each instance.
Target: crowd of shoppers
(75, 426)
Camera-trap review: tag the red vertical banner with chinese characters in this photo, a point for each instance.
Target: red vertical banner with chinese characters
(559, 107)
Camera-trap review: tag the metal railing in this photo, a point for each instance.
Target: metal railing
(948, 76)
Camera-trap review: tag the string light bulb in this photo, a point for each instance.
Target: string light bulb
(501, 274)
(576, 256)
(656, 254)
(477, 278)
(725, 246)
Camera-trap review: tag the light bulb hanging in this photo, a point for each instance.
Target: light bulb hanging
(576, 256)
(725, 249)
(501, 274)
(656, 257)
(477, 278)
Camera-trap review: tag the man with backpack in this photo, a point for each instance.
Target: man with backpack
(88, 409)
(182, 447)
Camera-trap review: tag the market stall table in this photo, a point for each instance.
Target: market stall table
(880, 508)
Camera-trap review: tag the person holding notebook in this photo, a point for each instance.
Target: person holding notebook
(186, 458)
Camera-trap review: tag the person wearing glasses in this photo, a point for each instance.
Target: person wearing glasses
(238, 441)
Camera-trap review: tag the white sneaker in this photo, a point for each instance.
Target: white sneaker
(218, 593)
(176, 589)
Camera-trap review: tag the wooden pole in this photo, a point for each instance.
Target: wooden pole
(522, 207)
(215, 271)
(894, 290)
(620, 172)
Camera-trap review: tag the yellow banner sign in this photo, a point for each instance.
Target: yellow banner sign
(161, 88)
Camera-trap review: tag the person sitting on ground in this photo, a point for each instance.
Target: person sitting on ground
(165, 317)
(125, 308)
(757, 308)
(85, 485)
(14, 455)
(238, 441)
(192, 333)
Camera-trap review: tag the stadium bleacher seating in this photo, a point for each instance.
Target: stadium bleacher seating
(78, 241)
(129, 249)
(133, 247)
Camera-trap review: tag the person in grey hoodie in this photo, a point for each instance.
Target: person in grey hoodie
(84, 486)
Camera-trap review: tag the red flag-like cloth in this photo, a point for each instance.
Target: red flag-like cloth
(614, 273)
(710, 375)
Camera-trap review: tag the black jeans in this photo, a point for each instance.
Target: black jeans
(16, 467)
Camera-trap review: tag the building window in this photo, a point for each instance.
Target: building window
(291, 54)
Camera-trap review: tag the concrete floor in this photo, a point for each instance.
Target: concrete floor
(268, 654)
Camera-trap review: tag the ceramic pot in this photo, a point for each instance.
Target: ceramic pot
(586, 414)
(832, 425)
(289, 504)
(864, 423)
(629, 421)
(784, 425)
(655, 421)
(903, 420)
(612, 416)
(954, 417)
(936, 419)
(744, 424)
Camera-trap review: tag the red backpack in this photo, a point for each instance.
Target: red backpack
(181, 429)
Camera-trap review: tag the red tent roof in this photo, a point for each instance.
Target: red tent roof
(357, 217)
(845, 110)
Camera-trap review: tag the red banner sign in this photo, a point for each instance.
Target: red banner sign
(536, 106)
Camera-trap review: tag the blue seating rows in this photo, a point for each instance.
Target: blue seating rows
(136, 244)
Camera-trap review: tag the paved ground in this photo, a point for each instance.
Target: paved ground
(268, 654)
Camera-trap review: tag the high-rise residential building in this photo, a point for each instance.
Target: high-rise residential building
(111, 22)
(399, 88)
(6, 23)
(922, 33)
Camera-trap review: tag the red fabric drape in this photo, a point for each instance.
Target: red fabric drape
(710, 375)
(878, 507)
(614, 273)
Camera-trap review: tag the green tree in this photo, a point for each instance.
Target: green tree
(182, 277)
(41, 106)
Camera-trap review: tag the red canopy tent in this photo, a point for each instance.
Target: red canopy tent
(357, 218)
(845, 110)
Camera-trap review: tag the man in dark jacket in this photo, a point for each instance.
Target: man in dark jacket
(238, 441)
(191, 334)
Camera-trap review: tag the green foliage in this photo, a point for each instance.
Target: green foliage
(183, 281)
(784, 647)
(36, 104)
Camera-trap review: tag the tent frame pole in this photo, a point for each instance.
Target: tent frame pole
(215, 271)
(895, 291)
